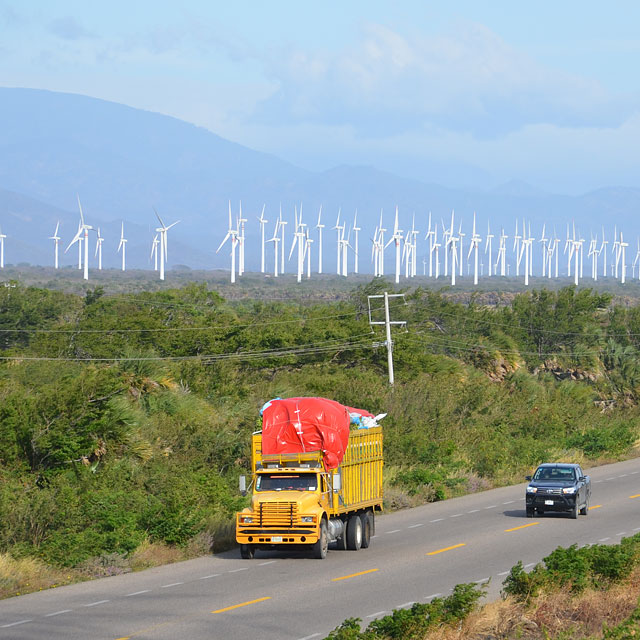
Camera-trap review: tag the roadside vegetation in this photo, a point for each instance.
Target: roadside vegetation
(125, 418)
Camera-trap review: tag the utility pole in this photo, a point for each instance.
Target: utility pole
(387, 323)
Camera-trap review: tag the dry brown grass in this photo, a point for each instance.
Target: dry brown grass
(549, 616)
(24, 575)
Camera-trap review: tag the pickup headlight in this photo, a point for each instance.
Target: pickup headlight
(531, 489)
(569, 490)
(308, 518)
(246, 519)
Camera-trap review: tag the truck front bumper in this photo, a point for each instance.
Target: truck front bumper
(255, 536)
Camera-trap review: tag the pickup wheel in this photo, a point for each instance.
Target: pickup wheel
(574, 512)
(247, 552)
(585, 510)
(367, 527)
(354, 533)
(530, 511)
(320, 548)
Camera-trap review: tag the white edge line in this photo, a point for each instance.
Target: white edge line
(621, 533)
(262, 564)
(93, 604)
(413, 526)
(455, 515)
(57, 613)
(393, 531)
(137, 593)
(173, 584)
(406, 604)
(376, 614)
(604, 539)
(482, 580)
(531, 564)
(313, 635)
(14, 624)
(492, 506)
(509, 502)
(436, 520)
(240, 569)
(473, 511)
(432, 596)
(503, 573)
(212, 575)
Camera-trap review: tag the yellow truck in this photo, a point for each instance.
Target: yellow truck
(296, 502)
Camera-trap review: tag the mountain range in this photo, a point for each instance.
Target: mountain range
(124, 162)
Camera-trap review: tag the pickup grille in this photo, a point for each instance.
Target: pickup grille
(278, 514)
(552, 492)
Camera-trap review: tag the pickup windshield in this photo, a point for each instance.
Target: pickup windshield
(286, 482)
(555, 474)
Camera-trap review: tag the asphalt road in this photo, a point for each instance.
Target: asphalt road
(415, 555)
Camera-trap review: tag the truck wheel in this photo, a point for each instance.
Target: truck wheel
(367, 527)
(585, 510)
(320, 548)
(354, 533)
(530, 511)
(341, 542)
(574, 512)
(247, 552)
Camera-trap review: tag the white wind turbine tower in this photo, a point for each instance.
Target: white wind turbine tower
(381, 231)
(623, 249)
(123, 246)
(414, 247)
(544, 240)
(430, 238)
(461, 236)
(397, 239)
(487, 247)
(162, 230)
(473, 247)
(282, 225)
(56, 242)
(593, 253)
(231, 233)
(276, 254)
(556, 242)
(452, 246)
(577, 250)
(307, 251)
(79, 232)
(83, 232)
(446, 234)
(374, 253)
(340, 230)
(154, 252)
(2, 237)
(516, 248)
(408, 251)
(298, 239)
(356, 229)
(615, 249)
(603, 247)
(635, 262)
(502, 253)
(525, 248)
(241, 241)
(436, 250)
(320, 227)
(98, 252)
(263, 221)
(345, 254)
(568, 245)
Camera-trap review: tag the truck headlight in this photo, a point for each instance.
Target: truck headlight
(531, 489)
(308, 518)
(246, 519)
(569, 490)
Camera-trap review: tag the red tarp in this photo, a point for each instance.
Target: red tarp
(297, 425)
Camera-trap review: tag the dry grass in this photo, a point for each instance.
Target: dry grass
(24, 575)
(550, 615)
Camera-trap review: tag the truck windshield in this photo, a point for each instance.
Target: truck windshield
(556, 474)
(286, 482)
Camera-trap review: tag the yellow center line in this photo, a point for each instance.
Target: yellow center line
(636, 496)
(455, 546)
(595, 506)
(522, 526)
(242, 604)
(353, 575)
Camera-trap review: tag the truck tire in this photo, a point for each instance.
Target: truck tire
(530, 511)
(574, 512)
(585, 510)
(320, 548)
(341, 542)
(354, 533)
(367, 528)
(247, 552)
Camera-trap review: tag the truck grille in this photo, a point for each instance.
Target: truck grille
(278, 514)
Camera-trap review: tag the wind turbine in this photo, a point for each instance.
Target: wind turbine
(396, 238)
(473, 247)
(623, 248)
(154, 252)
(307, 252)
(56, 242)
(123, 246)
(516, 248)
(282, 225)
(487, 247)
(83, 232)
(461, 236)
(430, 237)
(276, 255)
(635, 262)
(298, 239)
(162, 230)
(356, 229)
(544, 240)
(603, 247)
(98, 252)
(381, 231)
(319, 227)
(233, 234)
(340, 230)
(241, 244)
(2, 237)
(615, 248)
(263, 221)
(502, 253)
(451, 245)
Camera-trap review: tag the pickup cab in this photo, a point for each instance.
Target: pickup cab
(558, 487)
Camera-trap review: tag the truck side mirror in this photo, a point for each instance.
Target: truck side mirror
(242, 482)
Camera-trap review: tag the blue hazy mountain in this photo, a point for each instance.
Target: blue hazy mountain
(123, 162)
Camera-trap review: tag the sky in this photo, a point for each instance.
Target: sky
(461, 93)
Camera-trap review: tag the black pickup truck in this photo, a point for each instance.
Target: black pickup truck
(558, 487)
